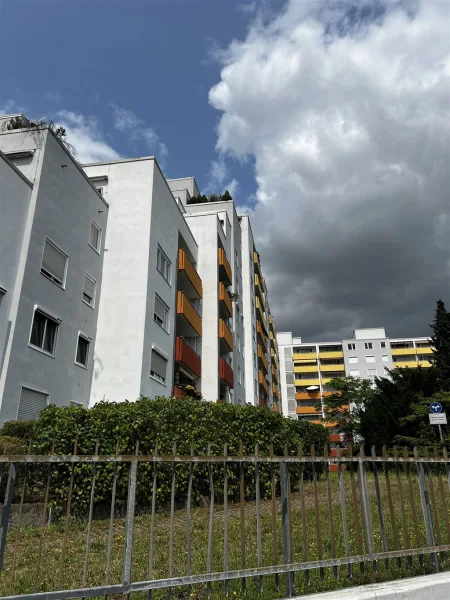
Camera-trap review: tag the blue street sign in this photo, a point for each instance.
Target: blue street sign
(436, 407)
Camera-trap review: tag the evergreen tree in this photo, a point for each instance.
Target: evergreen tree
(441, 343)
(226, 196)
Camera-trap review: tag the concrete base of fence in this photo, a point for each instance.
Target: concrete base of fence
(428, 587)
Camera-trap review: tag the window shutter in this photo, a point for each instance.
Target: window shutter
(30, 405)
(89, 288)
(160, 309)
(54, 262)
(159, 364)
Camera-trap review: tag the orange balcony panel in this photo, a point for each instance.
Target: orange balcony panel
(224, 267)
(178, 392)
(257, 263)
(262, 357)
(275, 391)
(276, 408)
(225, 334)
(185, 355)
(185, 308)
(224, 297)
(263, 382)
(185, 266)
(308, 410)
(307, 395)
(226, 373)
(260, 331)
(275, 374)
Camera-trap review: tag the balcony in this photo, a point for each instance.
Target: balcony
(273, 340)
(186, 356)
(226, 305)
(190, 279)
(276, 408)
(262, 357)
(404, 351)
(332, 354)
(336, 437)
(262, 402)
(275, 391)
(275, 374)
(191, 321)
(309, 410)
(403, 364)
(310, 369)
(178, 392)
(307, 382)
(225, 274)
(260, 314)
(259, 288)
(427, 350)
(331, 368)
(313, 395)
(423, 363)
(225, 335)
(305, 356)
(271, 325)
(261, 333)
(263, 381)
(226, 373)
(257, 264)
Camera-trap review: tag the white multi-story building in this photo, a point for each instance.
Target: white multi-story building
(52, 224)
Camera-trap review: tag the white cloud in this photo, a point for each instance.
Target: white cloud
(219, 179)
(54, 96)
(85, 135)
(345, 109)
(127, 122)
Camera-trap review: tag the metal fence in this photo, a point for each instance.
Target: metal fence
(225, 520)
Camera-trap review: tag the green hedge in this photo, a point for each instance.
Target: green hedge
(189, 423)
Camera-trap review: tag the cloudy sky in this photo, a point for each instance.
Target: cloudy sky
(328, 120)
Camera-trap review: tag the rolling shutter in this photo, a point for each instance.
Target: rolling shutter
(30, 405)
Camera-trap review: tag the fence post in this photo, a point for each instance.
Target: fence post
(6, 511)
(365, 508)
(286, 528)
(129, 523)
(427, 517)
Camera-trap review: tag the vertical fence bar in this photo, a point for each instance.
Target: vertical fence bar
(172, 517)
(365, 508)
(274, 517)
(43, 524)
(111, 519)
(188, 519)
(242, 512)
(442, 496)
(316, 512)
(151, 548)
(67, 523)
(284, 484)
(91, 512)
(425, 501)
(447, 466)
(355, 508)
(303, 513)
(344, 512)
(19, 523)
(129, 523)
(6, 511)
(412, 501)
(330, 511)
(405, 525)
(211, 521)
(391, 504)
(258, 516)
(379, 506)
(433, 502)
(225, 517)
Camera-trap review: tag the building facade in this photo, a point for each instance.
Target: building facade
(52, 228)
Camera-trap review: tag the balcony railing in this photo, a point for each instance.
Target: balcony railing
(226, 373)
(260, 313)
(275, 374)
(262, 357)
(225, 334)
(257, 264)
(261, 333)
(224, 297)
(185, 355)
(275, 391)
(225, 272)
(185, 266)
(259, 288)
(185, 308)
(263, 381)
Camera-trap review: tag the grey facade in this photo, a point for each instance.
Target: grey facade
(367, 357)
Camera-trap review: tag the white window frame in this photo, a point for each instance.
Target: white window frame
(88, 340)
(100, 233)
(160, 252)
(94, 281)
(2, 294)
(166, 314)
(355, 373)
(383, 344)
(351, 346)
(371, 361)
(163, 355)
(385, 357)
(352, 360)
(52, 318)
(47, 274)
(368, 346)
(370, 373)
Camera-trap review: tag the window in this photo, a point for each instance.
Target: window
(385, 358)
(31, 403)
(256, 387)
(75, 403)
(370, 359)
(289, 378)
(95, 236)
(238, 342)
(161, 313)
(89, 290)
(383, 344)
(239, 373)
(371, 372)
(354, 373)
(54, 263)
(254, 331)
(43, 332)
(2, 293)
(82, 356)
(163, 265)
(353, 360)
(158, 367)
(101, 190)
(368, 345)
(351, 346)
(254, 359)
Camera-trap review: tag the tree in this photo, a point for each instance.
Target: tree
(226, 196)
(416, 425)
(350, 392)
(441, 343)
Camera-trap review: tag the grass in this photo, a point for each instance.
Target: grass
(21, 578)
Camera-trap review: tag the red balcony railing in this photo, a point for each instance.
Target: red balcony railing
(226, 373)
(185, 355)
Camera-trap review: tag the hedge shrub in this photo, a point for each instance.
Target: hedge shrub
(190, 424)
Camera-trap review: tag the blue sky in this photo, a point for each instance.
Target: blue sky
(327, 119)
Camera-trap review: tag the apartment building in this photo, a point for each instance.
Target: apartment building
(149, 336)
(52, 224)
(307, 368)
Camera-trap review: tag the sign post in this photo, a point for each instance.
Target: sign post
(437, 417)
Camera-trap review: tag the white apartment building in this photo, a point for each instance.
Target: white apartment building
(52, 224)
(150, 326)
